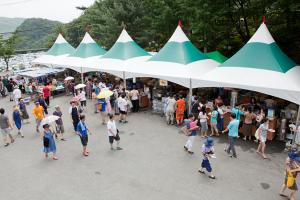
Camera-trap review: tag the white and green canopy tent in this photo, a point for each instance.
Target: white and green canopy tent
(88, 51)
(259, 66)
(121, 55)
(60, 49)
(178, 61)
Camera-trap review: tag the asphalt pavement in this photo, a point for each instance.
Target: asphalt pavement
(152, 165)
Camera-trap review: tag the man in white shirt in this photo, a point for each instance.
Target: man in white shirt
(112, 132)
(17, 94)
(134, 94)
(170, 110)
(122, 104)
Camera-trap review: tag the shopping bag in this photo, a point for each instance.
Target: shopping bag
(290, 180)
(257, 134)
(185, 131)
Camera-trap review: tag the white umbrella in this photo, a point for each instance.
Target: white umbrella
(49, 120)
(79, 86)
(69, 78)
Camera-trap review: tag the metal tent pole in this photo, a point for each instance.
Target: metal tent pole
(124, 79)
(81, 75)
(297, 123)
(190, 96)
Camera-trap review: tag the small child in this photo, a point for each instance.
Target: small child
(208, 152)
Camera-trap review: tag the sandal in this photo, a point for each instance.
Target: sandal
(55, 158)
(212, 177)
(283, 195)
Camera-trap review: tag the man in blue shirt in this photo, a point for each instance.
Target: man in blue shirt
(233, 128)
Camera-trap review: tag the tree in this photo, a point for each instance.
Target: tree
(224, 25)
(7, 49)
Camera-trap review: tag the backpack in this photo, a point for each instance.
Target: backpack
(46, 142)
(218, 117)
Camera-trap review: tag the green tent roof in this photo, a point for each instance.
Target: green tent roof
(261, 52)
(88, 48)
(125, 48)
(60, 47)
(217, 56)
(179, 49)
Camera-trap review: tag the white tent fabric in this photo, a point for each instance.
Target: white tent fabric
(124, 53)
(118, 67)
(38, 72)
(164, 65)
(260, 78)
(84, 57)
(174, 72)
(60, 49)
(74, 61)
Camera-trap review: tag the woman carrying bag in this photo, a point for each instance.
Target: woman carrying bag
(261, 134)
(49, 142)
(292, 168)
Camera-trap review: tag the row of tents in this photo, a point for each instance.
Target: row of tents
(258, 66)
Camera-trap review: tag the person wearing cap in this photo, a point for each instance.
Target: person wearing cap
(113, 133)
(59, 125)
(192, 128)
(49, 142)
(292, 168)
(38, 113)
(207, 152)
(233, 133)
(82, 132)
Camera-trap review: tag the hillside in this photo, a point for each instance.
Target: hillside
(9, 24)
(34, 33)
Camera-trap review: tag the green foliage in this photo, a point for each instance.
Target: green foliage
(224, 25)
(7, 49)
(35, 33)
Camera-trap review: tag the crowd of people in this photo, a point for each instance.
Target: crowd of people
(119, 102)
(201, 117)
(213, 117)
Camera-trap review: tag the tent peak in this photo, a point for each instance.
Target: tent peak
(60, 39)
(178, 36)
(262, 35)
(87, 39)
(124, 37)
